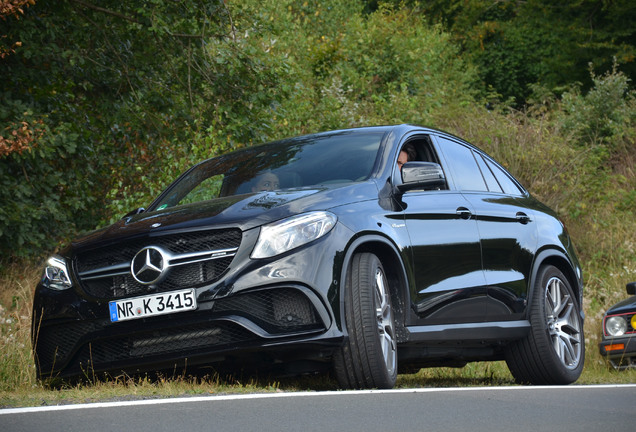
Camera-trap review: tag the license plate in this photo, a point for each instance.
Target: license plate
(152, 305)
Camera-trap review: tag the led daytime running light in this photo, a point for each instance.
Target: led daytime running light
(293, 232)
(56, 274)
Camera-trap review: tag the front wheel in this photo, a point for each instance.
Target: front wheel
(554, 351)
(369, 357)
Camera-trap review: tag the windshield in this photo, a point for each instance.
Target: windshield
(342, 157)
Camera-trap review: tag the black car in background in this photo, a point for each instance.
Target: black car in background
(361, 251)
(618, 344)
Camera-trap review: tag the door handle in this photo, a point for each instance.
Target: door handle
(464, 213)
(522, 218)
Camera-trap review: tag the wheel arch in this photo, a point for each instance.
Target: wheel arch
(559, 260)
(541, 357)
(395, 273)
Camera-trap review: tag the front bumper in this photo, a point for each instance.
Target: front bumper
(273, 310)
(219, 331)
(620, 351)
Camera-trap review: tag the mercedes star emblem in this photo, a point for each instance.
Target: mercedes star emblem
(148, 265)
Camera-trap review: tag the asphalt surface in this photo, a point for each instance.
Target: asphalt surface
(571, 408)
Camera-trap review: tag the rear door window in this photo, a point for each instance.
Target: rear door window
(489, 177)
(508, 185)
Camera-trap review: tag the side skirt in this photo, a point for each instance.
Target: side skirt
(469, 332)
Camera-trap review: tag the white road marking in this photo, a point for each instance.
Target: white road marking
(216, 398)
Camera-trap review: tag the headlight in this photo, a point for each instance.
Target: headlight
(56, 274)
(615, 326)
(292, 232)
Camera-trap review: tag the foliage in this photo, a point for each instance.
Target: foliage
(105, 105)
(516, 44)
(11, 9)
(95, 95)
(606, 114)
(355, 68)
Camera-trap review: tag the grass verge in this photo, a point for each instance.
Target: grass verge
(19, 387)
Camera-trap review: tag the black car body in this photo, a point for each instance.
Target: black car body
(340, 259)
(618, 342)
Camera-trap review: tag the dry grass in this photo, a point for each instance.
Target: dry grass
(16, 298)
(18, 386)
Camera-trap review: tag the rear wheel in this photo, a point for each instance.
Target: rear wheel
(554, 351)
(369, 357)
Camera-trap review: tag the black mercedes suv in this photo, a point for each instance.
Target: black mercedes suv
(363, 251)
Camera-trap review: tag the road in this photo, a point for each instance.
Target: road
(519, 409)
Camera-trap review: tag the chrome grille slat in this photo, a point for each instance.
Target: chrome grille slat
(201, 256)
(110, 271)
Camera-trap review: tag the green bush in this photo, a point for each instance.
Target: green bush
(606, 114)
(46, 189)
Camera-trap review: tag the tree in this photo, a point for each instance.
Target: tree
(97, 96)
(515, 44)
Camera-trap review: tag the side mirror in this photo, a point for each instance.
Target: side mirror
(631, 288)
(421, 175)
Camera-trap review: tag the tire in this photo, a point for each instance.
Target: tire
(553, 352)
(368, 359)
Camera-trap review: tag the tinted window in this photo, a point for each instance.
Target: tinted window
(462, 162)
(507, 184)
(342, 157)
(491, 181)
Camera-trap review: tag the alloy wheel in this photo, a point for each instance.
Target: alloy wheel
(384, 317)
(562, 323)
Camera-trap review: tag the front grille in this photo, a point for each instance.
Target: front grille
(278, 311)
(105, 272)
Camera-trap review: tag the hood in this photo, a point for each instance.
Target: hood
(245, 212)
(624, 306)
